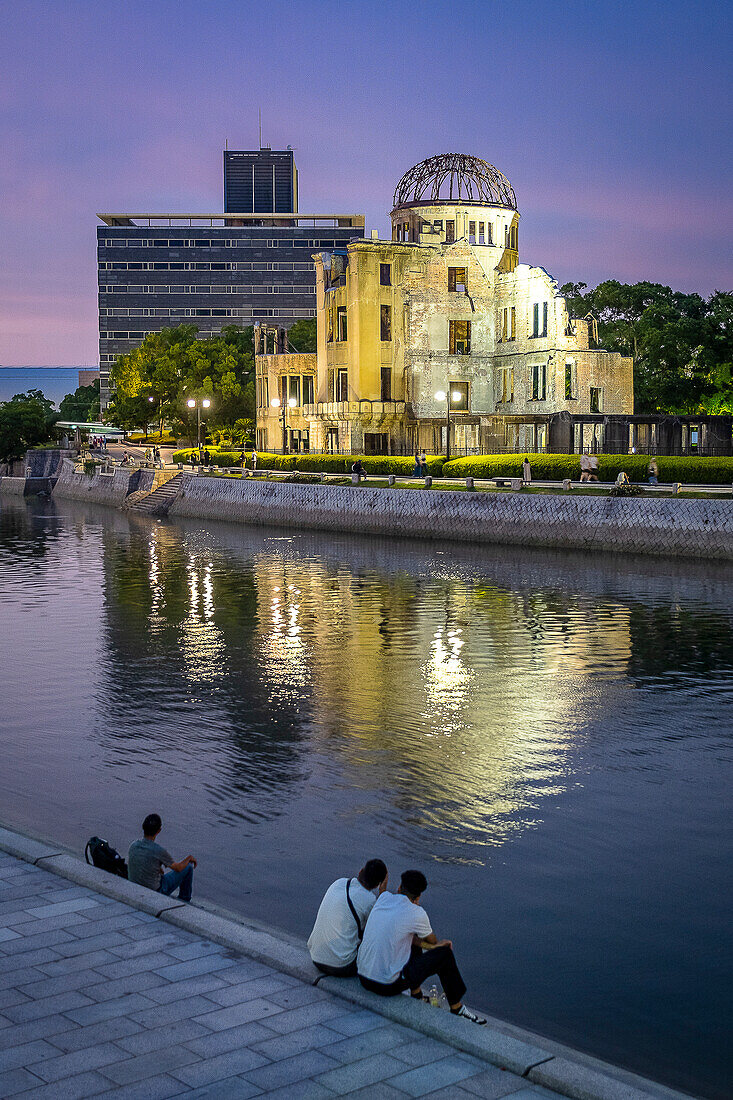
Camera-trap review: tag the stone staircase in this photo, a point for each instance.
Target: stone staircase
(157, 502)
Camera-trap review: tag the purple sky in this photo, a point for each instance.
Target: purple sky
(611, 120)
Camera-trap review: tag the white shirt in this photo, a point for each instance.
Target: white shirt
(335, 938)
(385, 949)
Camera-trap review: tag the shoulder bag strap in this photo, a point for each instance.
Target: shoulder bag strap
(353, 910)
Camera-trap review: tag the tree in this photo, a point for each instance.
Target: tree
(82, 405)
(681, 343)
(25, 421)
(302, 336)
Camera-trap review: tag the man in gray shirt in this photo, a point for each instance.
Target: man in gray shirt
(146, 860)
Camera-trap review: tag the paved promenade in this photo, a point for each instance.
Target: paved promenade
(97, 997)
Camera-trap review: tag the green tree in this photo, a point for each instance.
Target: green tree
(82, 405)
(302, 336)
(26, 420)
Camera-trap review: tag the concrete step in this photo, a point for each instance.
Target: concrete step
(159, 501)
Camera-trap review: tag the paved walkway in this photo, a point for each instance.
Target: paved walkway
(97, 997)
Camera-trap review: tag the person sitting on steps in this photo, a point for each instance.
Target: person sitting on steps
(400, 950)
(146, 860)
(341, 917)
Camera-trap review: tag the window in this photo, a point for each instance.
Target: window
(513, 323)
(385, 274)
(439, 225)
(513, 237)
(341, 323)
(307, 389)
(539, 381)
(329, 324)
(450, 232)
(570, 382)
(459, 337)
(472, 232)
(507, 384)
(536, 314)
(331, 385)
(458, 279)
(386, 386)
(459, 396)
(332, 441)
(294, 389)
(596, 400)
(489, 233)
(385, 322)
(480, 232)
(342, 386)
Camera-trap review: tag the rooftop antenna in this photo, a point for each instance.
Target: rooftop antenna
(259, 112)
(226, 143)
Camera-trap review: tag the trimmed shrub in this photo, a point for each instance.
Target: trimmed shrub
(685, 469)
(323, 463)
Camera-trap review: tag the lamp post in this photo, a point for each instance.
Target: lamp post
(151, 401)
(204, 403)
(276, 404)
(452, 397)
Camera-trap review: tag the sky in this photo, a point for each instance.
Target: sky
(611, 120)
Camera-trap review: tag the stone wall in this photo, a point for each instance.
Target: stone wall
(686, 528)
(12, 486)
(100, 488)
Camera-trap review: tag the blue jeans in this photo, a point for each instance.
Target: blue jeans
(172, 880)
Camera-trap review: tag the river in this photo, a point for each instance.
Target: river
(546, 735)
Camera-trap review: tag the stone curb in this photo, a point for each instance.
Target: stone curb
(571, 1073)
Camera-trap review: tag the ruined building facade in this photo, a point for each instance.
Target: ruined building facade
(443, 312)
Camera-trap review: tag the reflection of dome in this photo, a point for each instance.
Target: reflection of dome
(454, 177)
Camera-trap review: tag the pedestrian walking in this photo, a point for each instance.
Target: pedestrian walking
(526, 471)
(423, 464)
(653, 472)
(418, 468)
(254, 459)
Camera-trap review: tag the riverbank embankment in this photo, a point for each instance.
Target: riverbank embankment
(131, 988)
(657, 526)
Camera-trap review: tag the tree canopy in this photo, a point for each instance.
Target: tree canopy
(81, 405)
(682, 344)
(26, 420)
(154, 381)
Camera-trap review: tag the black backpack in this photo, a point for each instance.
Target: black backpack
(103, 855)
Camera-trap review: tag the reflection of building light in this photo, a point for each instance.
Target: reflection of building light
(202, 643)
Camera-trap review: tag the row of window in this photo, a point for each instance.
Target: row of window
(478, 232)
(205, 288)
(508, 322)
(254, 314)
(209, 265)
(538, 385)
(221, 242)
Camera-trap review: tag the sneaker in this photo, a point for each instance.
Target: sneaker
(468, 1015)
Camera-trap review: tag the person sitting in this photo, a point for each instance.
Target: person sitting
(342, 914)
(146, 860)
(358, 469)
(391, 958)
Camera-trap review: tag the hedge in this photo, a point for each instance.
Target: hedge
(689, 469)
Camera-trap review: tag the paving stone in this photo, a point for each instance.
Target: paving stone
(71, 1088)
(135, 983)
(219, 1042)
(8, 934)
(71, 965)
(47, 1006)
(421, 1051)
(196, 950)
(178, 991)
(244, 970)
(143, 946)
(142, 963)
(48, 987)
(218, 1068)
(72, 906)
(107, 1031)
(209, 964)
(75, 1062)
(105, 925)
(370, 1042)
(297, 1018)
(146, 1039)
(295, 1042)
(49, 1027)
(15, 1081)
(159, 1087)
(379, 1091)
(106, 1010)
(300, 1090)
(149, 1065)
(492, 1083)
(357, 1022)
(244, 1013)
(248, 991)
(186, 1009)
(288, 1070)
(435, 1075)
(73, 946)
(27, 944)
(356, 1075)
(298, 995)
(24, 1054)
(11, 997)
(234, 1088)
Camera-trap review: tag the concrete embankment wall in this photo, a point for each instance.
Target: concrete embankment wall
(645, 525)
(110, 488)
(13, 486)
(688, 528)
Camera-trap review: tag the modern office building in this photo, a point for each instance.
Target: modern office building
(235, 267)
(260, 181)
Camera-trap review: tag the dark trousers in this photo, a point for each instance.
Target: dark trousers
(348, 971)
(421, 965)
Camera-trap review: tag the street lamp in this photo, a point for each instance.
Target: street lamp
(454, 398)
(192, 403)
(276, 404)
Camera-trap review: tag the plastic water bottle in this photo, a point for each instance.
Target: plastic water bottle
(434, 997)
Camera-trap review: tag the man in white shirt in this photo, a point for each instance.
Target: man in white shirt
(342, 915)
(391, 958)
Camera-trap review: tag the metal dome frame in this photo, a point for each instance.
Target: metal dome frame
(468, 179)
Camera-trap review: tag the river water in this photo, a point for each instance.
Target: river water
(548, 736)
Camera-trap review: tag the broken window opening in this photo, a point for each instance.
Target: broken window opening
(386, 384)
(596, 400)
(539, 381)
(308, 389)
(459, 396)
(385, 274)
(459, 337)
(342, 386)
(570, 380)
(341, 323)
(450, 232)
(472, 232)
(385, 322)
(480, 232)
(458, 279)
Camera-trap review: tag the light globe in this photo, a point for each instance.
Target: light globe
(440, 395)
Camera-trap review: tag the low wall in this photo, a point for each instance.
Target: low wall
(110, 488)
(12, 486)
(688, 528)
